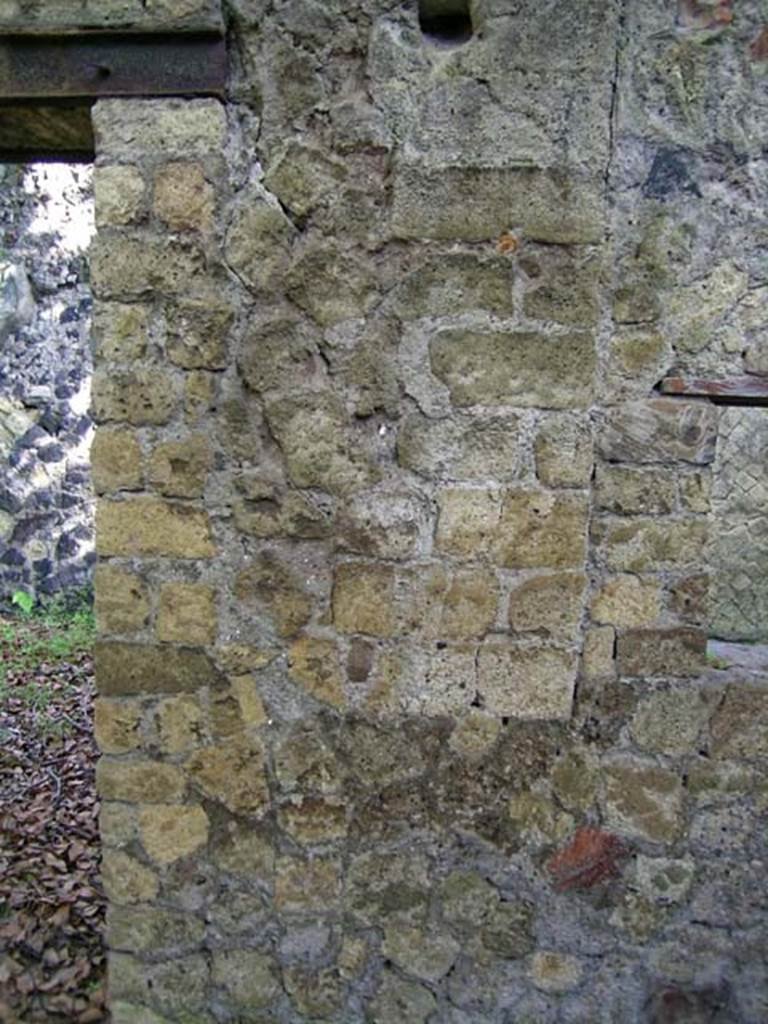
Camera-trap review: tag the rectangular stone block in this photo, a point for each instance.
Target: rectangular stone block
(526, 682)
(661, 430)
(541, 529)
(661, 652)
(120, 331)
(124, 669)
(187, 613)
(151, 782)
(116, 460)
(647, 545)
(627, 490)
(129, 130)
(121, 600)
(520, 368)
(363, 599)
(144, 396)
(468, 448)
(146, 526)
(131, 266)
(477, 204)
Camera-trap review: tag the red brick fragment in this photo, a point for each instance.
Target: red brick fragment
(704, 14)
(590, 858)
(758, 49)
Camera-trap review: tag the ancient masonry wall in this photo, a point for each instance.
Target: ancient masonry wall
(46, 500)
(403, 562)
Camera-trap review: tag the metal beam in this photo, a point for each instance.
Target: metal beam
(92, 65)
(745, 390)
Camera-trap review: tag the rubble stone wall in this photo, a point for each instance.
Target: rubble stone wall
(403, 562)
(46, 500)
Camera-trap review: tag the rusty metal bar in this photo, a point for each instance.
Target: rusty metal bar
(745, 390)
(91, 65)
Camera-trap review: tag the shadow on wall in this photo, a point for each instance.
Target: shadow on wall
(46, 513)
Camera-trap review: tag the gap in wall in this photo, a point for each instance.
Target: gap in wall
(46, 502)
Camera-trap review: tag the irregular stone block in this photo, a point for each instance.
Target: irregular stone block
(670, 722)
(453, 284)
(302, 176)
(555, 972)
(330, 284)
(116, 725)
(118, 192)
(647, 545)
(740, 724)
(126, 880)
(382, 524)
(551, 605)
(363, 599)
(526, 682)
(170, 832)
(311, 430)
(626, 490)
(248, 977)
(563, 451)
(126, 130)
(197, 331)
(467, 521)
(270, 582)
(598, 659)
(515, 368)
(468, 607)
(179, 469)
(476, 204)
(183, 198)
(562, 286)
(152, 930)
(661, 652)
(541, 529)
(120, 331)
(660, 430)
(643, 800)
(146, 526)
(125, 669)
(179, 722)
(187, 613)
(233, 775)
(307, 885)
(427, 955)
(121, 600)
(314, 664)
(627, 602)
(472, 448)
(259, 240)
(142, 397)
(311, 820)
(399, 1001)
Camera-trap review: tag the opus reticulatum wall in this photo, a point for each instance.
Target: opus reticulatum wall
(404, 562)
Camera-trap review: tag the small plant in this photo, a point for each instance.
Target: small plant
(23, 601)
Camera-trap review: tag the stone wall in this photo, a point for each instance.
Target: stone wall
(46, 501)
(403, 561)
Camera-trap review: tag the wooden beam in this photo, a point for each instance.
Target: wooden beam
(91, 65)
(745, 390)
(39, 132)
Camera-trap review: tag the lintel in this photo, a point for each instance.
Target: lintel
(49, 82)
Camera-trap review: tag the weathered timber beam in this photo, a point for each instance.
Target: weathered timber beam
(92, 65)
(724, 391)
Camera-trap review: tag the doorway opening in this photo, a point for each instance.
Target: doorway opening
(46, 503)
